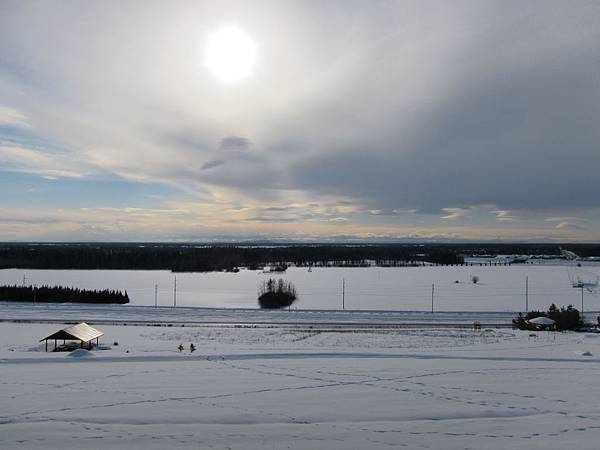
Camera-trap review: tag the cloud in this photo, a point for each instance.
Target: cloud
(568, 223)
(392, 212)
(569, 226)
(49, 165)
(504, 216)
(211, 164)
(564, 219)
(493, 133)
(410, 116)
(12, 117)
(234, 143)
(225, 222)
(456, 213)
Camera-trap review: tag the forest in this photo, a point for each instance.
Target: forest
(60, 294)
(216, 257)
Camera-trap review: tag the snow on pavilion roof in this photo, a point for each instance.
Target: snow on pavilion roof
(80, 332)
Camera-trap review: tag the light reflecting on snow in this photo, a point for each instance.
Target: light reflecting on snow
(280, 388)
(500, 288)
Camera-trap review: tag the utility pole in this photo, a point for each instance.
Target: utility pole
(156, 295)
(24, 275)
(343, 293)
(175, 292)
(432, 292)
(526, 294)
(582, 301)
(34, 293)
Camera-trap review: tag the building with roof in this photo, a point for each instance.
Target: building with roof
(81, 332)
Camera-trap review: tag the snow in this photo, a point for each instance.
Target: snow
(185, 315)
(80, 353)
(542, 321)
(500, 288)
(300, 386)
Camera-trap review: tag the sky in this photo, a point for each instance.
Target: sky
(367, 121)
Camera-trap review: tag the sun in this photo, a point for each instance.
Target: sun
(230, 54)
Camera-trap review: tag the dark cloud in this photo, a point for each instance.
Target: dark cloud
(515, 128)
(235, 143)
(211, 164)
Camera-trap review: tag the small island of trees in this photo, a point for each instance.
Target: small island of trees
(275, 294)
(60, 294)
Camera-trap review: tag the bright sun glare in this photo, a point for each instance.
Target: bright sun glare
(230, 54)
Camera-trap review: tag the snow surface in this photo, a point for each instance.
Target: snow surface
(501, 288)
(80, 353)
(309, 387)
(108, 314)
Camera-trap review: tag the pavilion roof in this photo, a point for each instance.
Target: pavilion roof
(80, 332)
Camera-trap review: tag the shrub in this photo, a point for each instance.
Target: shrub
(475, 279)
(274, 294)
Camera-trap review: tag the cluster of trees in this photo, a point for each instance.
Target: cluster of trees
(60, 294)
(545, 249)
(274, 294)
(564, 318)
(217, 257)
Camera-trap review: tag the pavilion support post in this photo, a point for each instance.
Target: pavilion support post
(54, 344)
(46, 344)
(97, 341)
(81, 344)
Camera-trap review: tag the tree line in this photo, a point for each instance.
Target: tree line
(204, 258)
(215, 257)
(61, 294)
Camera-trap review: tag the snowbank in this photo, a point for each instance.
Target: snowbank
(81, 353)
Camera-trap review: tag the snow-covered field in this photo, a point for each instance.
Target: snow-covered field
(300, 388)
(384, 373)
(109, 314)
(500, 288)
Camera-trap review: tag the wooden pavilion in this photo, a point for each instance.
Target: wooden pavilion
(81, 332)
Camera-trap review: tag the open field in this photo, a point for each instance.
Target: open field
(119, 314)
(279, 387)
(500, 288)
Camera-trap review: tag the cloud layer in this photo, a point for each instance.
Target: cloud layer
(469, 120)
